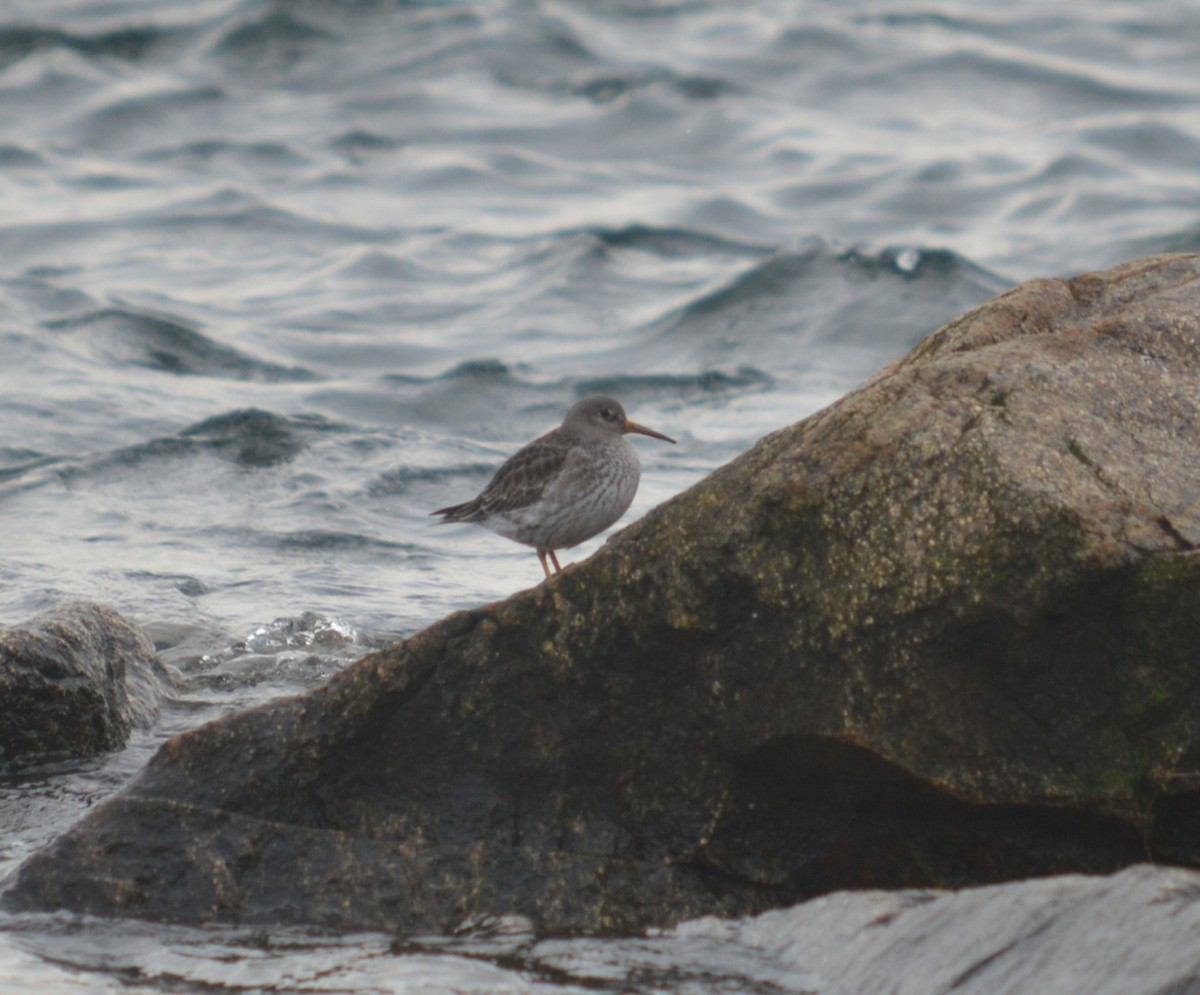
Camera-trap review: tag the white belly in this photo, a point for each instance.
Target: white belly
(590, 494)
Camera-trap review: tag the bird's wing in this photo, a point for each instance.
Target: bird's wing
(524, 476)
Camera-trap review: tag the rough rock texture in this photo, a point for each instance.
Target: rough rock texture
(1132, 933)
(943, 631)
(74, 682)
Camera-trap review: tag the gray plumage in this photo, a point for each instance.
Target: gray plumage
(565, 487)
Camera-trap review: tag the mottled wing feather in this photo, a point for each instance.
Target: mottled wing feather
(522, 479)
(466, 512)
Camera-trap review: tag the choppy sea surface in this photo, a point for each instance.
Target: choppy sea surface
(279, 278)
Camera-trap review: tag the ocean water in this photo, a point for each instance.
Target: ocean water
(279, 278)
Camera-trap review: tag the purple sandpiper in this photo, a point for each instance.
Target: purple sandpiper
(565, 487)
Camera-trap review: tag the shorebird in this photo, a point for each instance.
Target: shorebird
(565, 487)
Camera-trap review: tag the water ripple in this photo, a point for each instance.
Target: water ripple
(117, 336)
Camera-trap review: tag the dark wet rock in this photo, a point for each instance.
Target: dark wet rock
(74, 682)
(944, 631)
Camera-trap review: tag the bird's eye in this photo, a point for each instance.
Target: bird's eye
(609, 414)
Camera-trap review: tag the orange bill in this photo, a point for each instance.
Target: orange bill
(632, 426)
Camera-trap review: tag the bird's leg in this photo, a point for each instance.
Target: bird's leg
(542, 560)
(554, 557)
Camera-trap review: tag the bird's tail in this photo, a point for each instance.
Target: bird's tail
(467, 512)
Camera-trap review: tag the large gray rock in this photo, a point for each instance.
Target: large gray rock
(74, 682)
(1132, 933)
(944, 631)
(1129, 933)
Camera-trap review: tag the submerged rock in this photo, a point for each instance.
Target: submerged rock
(74, 682)
(944, 631)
